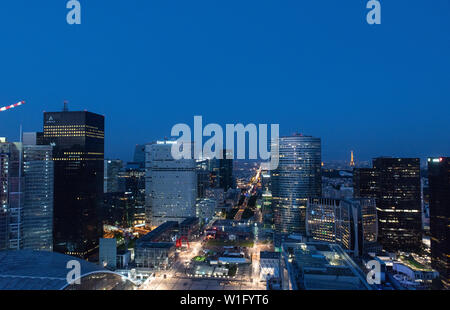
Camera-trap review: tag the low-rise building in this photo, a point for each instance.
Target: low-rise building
(269, 265)
(320, 266)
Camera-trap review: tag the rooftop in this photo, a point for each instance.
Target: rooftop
(269, 255)
(35, 270)
(316, 265)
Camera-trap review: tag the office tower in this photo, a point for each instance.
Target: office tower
(139, 155)
(351, 223)
(297, 178)
(226, 171)
(33, 138)
(203, 178)
(222, 171)
(132, 183)
(11, 196)
(171, 185)
(111, 176)
(78, 153)
(439, 182)
(365, 182)
(26, 178)
(38, 197)
(395, 184)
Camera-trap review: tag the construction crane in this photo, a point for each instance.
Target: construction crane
(12, 106)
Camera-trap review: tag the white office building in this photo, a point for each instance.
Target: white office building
(170, 185)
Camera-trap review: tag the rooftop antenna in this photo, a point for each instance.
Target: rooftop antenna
(66, 106)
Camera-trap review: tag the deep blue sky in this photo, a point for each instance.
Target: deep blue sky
(312, 66)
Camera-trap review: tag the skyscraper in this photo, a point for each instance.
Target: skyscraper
(395, 184)
(139, 155)
(171, 185)
(26, 196)
(352, 223)
(38, 197)
(439, 181)
(297, 178)
(222, 171)
(78, 153)
(11, 196)
(112, 170)
(225, 172)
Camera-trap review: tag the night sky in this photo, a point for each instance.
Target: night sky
(314, 67)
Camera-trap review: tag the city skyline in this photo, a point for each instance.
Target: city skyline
(319, 69)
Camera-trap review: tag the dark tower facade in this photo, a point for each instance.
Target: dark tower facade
(439, 181)
(225, 172)
(395, 184)
(78, 154)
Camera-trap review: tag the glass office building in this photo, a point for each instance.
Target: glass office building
(351, 223)
(395, 184)
(297, 178)
(38, 198)
(26, 196)
(11, 196)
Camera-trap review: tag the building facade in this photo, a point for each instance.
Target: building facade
(351, 223)
(171, 185)
(26, 197)
(297, 178)
(111, 178)
(78, 154)
(395, 184)
(38, 177)
(11, 196)
(439, 182)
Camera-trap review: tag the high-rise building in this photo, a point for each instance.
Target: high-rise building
(112, 169)
(139, 155)
(351, 223)
(11, 196)
(439, 182)
(222, 171)
(297, 178)
(395, 184)
(171, 185)
(78, 153)
(365, 183)
(226, 180)
(38, 185)
(26, 197)
(203, 177)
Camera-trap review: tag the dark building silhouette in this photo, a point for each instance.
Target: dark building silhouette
(221, 170)
(439, 185)
(78, 153)
(365, 182)
(395, 184)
